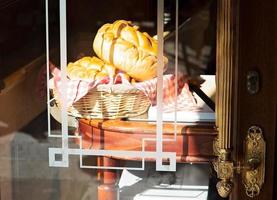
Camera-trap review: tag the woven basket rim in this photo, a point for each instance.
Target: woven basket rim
(138, 102)
(116, 88)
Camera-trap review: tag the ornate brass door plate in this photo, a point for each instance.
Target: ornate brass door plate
(253, 175)
(252, 169)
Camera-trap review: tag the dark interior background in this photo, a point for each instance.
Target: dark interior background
(22, 22)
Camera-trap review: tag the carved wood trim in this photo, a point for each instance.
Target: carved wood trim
(226, 62)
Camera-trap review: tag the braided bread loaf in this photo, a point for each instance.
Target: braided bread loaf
(129, 50)
(90, 68)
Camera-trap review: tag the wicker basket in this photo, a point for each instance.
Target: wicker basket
(110, 102)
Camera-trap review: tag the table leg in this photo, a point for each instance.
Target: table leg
(107, 190)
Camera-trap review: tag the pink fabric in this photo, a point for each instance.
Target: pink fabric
(76, 89)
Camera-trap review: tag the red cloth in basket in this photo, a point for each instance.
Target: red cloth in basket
(76, 89)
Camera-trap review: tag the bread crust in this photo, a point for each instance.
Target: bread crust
(122, 45)
(89, 69)
(92, 68)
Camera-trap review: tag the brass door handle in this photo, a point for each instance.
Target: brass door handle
(252, 168)
(253, 163)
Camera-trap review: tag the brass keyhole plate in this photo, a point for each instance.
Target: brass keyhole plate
(254, 147)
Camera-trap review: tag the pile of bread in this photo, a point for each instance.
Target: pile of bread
(121, 48)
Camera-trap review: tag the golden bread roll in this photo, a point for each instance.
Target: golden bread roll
(126, 48)
(109, 69)
(91, 74)
(89, 68)
(75, 71)
(84, 68)
(101, 75)
(91, 63)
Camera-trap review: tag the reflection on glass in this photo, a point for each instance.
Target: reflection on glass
(24, 141)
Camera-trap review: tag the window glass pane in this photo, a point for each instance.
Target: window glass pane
(106, 158)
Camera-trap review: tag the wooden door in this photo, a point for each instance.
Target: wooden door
(246, 44)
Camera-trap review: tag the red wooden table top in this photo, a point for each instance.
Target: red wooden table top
(194, 141)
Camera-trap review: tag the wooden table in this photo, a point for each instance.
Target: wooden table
(194, 144)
